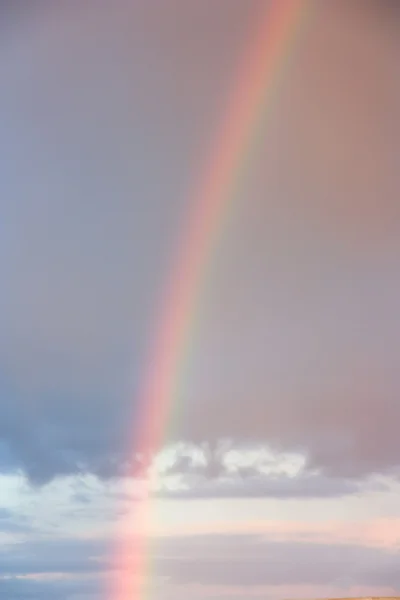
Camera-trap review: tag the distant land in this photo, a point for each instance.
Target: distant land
(358, 598)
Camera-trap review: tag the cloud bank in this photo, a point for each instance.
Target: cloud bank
(213, 562)
(298, 334)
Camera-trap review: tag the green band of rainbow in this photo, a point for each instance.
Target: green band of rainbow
(255, 85)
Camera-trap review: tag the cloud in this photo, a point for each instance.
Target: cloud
(229, 471)
(53, 556)
(87, 229)
(255, 562)
(297, 341)
(237, 561)
(57, 589)
(305, 486)
(12, 522)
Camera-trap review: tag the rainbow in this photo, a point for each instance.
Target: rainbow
(255, 85)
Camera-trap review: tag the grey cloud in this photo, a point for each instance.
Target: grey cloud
(207, 460)
(86, 231)
(247, 561)
(211, 472)
(208, 560)
(298, 338)
(300, 341)
(12, 522)
(264, 486)
(207, 472)
(20, 589)
(71, 437)
(52, 556)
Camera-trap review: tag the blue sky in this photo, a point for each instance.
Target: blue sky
(279, 477)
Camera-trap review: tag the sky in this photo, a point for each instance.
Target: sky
(278, 473)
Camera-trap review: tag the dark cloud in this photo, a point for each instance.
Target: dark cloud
(87, 229)
(299, 339)
(56, 443)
